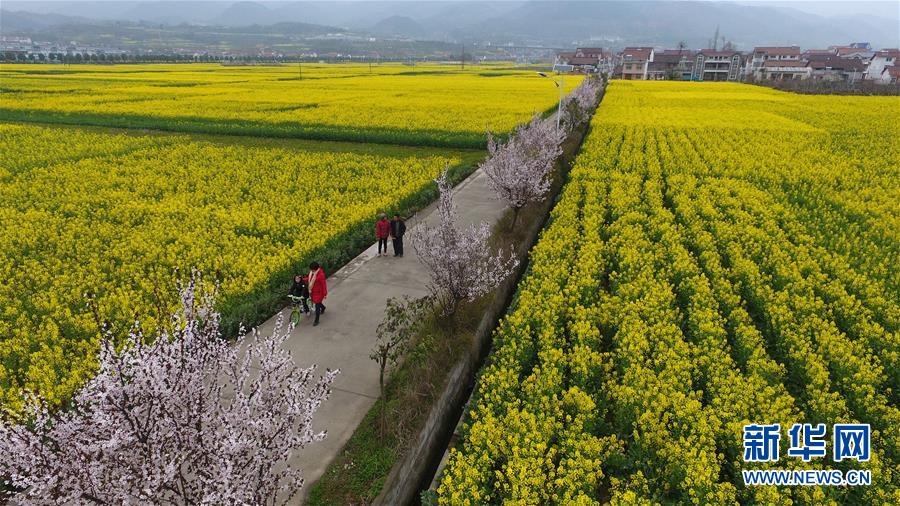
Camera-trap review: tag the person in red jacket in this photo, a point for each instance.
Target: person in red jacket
(318, 288)
(382, 232)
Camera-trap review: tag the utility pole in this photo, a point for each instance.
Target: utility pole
(462, 57)
(300, 67)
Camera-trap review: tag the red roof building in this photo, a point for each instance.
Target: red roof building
(635, 62)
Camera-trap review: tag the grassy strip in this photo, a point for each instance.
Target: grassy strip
(357, 474)
(434, 138)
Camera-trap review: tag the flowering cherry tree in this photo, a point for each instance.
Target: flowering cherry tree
(187, 418)
(461, 263)
(577, 106)
(519, 170)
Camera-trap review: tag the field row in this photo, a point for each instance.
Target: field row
(435, 105)
(115, 214)
(702, 271)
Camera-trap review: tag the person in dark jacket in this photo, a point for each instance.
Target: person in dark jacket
(300, 290)
(398, 228)
(382, 231)
(318, 289)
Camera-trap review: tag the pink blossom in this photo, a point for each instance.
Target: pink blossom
(519, 170)
(186, 417)
(461, 262)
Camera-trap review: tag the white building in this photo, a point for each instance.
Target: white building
(767, 53)
(712, 65)
(890, 75)
(783, 70)
(882, 59)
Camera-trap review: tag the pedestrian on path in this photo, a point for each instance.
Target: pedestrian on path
(398, 228)
(300, 290)
(318, 288)
(382, 231)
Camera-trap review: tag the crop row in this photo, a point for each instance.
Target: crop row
(679, 294)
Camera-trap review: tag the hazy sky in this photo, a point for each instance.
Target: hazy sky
(889, 8)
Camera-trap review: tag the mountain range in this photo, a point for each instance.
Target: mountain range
(556, 23)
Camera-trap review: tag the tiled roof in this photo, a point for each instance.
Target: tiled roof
(776, 50)
(843, 51)
(583, 60)
(888, 53)
(836, 63)
(637, 53)
(665, 58)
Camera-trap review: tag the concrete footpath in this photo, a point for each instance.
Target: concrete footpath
(357, 294)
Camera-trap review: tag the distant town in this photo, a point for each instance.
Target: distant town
(850, 63)
(846, 63)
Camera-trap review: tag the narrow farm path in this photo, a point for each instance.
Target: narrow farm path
(357, 294)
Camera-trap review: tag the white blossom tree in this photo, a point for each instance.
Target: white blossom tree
(461, 262)
(187, 418)
(519, 170)
(577, 106)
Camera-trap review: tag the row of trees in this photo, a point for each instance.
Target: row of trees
(462, 264)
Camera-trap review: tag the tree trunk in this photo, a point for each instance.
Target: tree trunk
(515, 218)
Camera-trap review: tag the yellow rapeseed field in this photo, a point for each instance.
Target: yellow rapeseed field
(85, 210)
(115, 213)
(437, 105)
(723, 254)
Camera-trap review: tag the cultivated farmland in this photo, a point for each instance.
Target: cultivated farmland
(114, 213)
(722, 254)
(421, 105)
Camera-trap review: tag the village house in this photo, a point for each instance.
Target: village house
(587, 59)
(584, 64)
(605, 58)
(761, 55)
(589, 52)
(564, 57)
(713, 65)
(890, 75)
(882, 59)
(783, 70)
(858, 50)
(671, 64)
(834, 68)
(635, 62)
